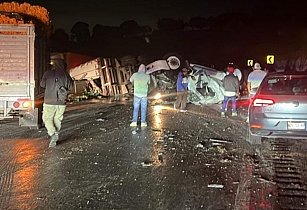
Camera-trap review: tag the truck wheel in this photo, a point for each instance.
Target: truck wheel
(253, 139)
(174, 61)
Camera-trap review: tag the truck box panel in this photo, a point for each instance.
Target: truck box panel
(15, 60)
(14, 90)
(13, 64)
(19, 76)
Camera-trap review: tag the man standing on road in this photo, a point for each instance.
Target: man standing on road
(231, 85)
(182, 90)
(57, 83)
(254, 79)
(140, 81)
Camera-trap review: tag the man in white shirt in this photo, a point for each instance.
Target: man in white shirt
(254, 79)
(231, 86)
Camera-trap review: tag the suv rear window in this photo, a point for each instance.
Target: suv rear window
(286, 85)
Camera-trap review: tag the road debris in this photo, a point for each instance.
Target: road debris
(227, 129)
(265, 180)
(220, 141)
(218, 186)
(160, 157)
(226, 160)
(199, 134)
(76, 149)
(206, 124)
(147, 163)
(220, 149)
(160, 140)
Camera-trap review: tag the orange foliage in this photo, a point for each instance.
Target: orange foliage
(37, 12)
(7, 20)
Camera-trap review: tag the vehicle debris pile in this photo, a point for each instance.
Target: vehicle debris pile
(205, 84)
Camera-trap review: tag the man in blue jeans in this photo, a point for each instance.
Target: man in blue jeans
(182, 90)
(140, 82)
(231, 86)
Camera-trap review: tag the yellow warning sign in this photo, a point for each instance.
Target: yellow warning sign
(250, 62)
(270, 59)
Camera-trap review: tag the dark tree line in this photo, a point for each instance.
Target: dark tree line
(228, 37)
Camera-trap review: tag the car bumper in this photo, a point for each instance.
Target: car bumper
(279, 133)
(277, 128)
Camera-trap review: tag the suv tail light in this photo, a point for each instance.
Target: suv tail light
(263, 102)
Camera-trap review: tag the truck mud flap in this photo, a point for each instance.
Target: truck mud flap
(30, 118)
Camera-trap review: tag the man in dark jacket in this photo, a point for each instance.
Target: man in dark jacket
(56, 83)
(231, 85)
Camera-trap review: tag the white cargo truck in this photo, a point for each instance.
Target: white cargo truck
(24, 58)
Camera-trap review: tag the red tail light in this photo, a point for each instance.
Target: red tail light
(16, 104)
(23, 103)
(263, 102)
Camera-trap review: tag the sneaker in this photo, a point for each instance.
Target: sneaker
(143, 124)
(56, 134)
(133, 124)
(183, 110)
(53, 140)
(175, 107)
(223, 114)
(234, 114)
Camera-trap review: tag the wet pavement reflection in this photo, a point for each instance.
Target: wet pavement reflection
(19, 176)
(158, 153)
(101, 163)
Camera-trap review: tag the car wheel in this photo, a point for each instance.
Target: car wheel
(252, 138)
(174, 61)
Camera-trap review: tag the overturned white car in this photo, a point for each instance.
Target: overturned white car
(205, 84)
(206, 87)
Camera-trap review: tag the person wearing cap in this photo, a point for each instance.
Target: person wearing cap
(254, 79)
(182, 90)
(231, 86)
(140, 81)
(57, 83)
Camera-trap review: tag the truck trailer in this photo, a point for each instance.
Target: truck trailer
(24, 58)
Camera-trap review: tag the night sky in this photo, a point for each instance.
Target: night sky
(146, 12)
(65, 13)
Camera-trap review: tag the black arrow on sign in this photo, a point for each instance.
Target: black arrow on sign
(270, 61)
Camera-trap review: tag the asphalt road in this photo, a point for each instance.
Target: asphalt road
(193, 160)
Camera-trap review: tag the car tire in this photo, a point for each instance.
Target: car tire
(253, 139)
(175, 68)
(174, 61)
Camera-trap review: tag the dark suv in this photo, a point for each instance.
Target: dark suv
(279, 108)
